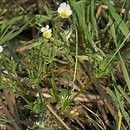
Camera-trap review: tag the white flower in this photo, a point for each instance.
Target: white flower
(1, 49)
(64, 10)
(47, 33)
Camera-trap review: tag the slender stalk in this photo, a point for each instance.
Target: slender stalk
(121, 45)
(57, 117)
(76, 62)
(82, 89)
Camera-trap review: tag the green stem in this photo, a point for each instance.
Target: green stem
(82, 89)
(119, 120)
(76, 62)
(121, 45)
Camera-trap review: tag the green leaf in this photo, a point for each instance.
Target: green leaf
(111, 93)
(49, 128)
(125, 72)
(13, 33)
(124, 94)
(117, 18)
(38, 19)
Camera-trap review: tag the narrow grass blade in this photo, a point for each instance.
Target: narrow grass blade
(93, 18)
(124, 94)
(125, 72)
(117, 18)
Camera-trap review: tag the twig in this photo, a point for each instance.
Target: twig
(57, 117)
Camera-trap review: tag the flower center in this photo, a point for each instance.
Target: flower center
(64, 14)
(47, 34)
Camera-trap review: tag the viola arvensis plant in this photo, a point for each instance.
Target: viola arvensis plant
(64, 10)
(47, 33)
